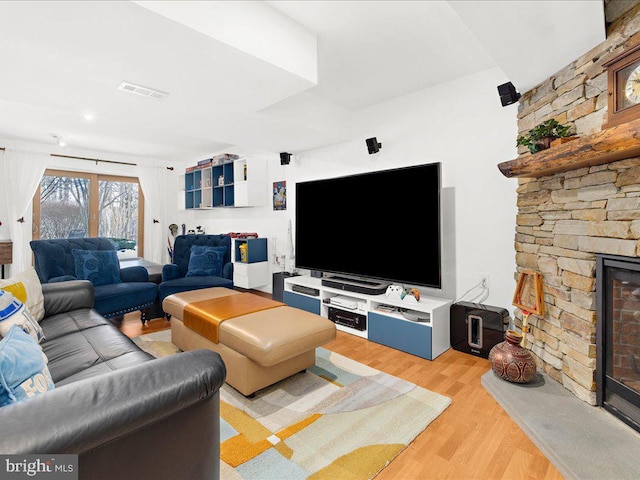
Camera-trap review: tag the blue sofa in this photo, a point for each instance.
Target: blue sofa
(130, 291)
(174, 275)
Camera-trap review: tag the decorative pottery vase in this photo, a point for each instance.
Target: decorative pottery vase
(512, 362)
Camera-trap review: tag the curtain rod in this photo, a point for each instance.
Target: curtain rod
(94, 159)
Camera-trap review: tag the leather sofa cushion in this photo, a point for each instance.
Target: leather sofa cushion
(82, 344)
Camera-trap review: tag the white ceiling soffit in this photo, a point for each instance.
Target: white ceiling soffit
(523, 36)
(373, 51)
(250, 26)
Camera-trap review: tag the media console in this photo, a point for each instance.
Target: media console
(388, 321)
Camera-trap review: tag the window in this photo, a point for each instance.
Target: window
(76, 205)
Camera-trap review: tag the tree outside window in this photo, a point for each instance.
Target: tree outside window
(76, 205)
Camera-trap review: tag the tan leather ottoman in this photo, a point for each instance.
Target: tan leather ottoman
(258, 349)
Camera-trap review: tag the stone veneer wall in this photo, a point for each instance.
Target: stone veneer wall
(564, 220)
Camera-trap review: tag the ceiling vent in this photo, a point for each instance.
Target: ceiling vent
(143, 91)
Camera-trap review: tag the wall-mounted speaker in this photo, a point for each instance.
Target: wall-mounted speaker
(373, 146)
(508, 94)
(285, 158)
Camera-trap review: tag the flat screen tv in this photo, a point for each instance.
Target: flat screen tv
(382, 225)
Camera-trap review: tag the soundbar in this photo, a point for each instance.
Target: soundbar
(353, 285)
(314, 292)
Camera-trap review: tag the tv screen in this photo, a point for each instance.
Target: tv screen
(383, 225)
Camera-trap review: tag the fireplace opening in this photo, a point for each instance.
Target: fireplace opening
(618, 337)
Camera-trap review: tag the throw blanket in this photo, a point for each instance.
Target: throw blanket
(204, 317)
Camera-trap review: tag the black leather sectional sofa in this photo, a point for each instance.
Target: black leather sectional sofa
(126, 414)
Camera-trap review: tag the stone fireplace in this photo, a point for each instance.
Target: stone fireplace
(569, 216)
(563, 222)
(618, 337)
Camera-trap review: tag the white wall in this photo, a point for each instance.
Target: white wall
(461, 124)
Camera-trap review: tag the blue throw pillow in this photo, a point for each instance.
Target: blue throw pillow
(101, 267)
(205, 261)
(23, 368)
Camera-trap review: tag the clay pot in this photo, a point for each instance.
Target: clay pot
(512, 362)
(546, 142)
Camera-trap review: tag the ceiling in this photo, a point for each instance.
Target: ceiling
(263, 76)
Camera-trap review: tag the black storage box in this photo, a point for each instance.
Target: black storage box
(477, 328)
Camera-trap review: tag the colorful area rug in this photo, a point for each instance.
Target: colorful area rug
(338, 420)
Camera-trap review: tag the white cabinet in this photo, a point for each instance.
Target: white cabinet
(420, 328)
(250, 182)
(250, 266)
(250, 275)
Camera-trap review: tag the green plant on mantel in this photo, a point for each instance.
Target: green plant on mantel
(540, 137)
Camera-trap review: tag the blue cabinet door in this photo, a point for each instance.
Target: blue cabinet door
(410, 337)
(302, 302)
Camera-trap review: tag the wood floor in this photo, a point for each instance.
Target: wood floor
(473, 439)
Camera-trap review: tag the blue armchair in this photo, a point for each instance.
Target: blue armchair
(117, 291)
(174, 275)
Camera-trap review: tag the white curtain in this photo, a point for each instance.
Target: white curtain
(154, 182)
(21, 174)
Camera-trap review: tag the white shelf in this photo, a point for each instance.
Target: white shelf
(244, 185)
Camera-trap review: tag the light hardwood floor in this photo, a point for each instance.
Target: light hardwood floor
(473, 439)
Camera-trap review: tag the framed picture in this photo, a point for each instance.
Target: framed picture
(280, 195)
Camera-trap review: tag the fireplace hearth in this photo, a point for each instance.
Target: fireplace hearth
(618, 337)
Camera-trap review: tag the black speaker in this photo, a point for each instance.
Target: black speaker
(373, 146)
(508, 94)
(285, 158)
(477, 328)
(277, 292)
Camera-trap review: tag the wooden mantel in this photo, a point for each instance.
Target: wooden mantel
(606, 146)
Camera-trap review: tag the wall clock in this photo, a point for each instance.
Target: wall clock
(624, 87)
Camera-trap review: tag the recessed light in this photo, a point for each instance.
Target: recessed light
(88, 117)
(59, 140)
